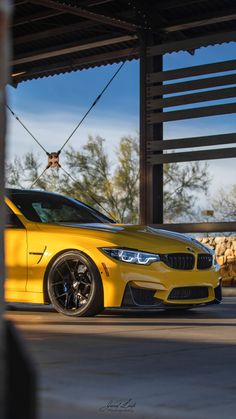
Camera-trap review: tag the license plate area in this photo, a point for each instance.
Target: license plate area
(188, 293)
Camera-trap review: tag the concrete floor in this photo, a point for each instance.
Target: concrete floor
(162, 365)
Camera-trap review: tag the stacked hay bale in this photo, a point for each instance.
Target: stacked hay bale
(225, 250)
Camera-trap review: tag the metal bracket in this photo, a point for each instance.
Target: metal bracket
(53, 160)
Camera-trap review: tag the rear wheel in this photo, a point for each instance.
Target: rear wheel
(74, 285)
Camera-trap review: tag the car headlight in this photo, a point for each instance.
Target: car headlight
(131, 256)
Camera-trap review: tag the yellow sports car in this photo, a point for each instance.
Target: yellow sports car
(63, 252)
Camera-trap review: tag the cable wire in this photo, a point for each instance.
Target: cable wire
(70, 136)
(92, 106)
(87, 193)
(36, 180)
(23, 125)
(80, 122)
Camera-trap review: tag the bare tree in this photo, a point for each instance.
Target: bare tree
(224, 204)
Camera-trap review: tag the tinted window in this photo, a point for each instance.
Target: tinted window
(49, 208)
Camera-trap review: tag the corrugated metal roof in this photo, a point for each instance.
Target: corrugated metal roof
(56, 36)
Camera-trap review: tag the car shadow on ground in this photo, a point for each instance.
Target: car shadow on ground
(194, 317)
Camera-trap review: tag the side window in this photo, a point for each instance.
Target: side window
(12, 221)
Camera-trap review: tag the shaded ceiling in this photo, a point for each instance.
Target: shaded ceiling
(57, 36)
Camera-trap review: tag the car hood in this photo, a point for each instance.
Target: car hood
(140, 237)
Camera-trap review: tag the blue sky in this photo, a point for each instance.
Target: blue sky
(79, 89)
(51, 107)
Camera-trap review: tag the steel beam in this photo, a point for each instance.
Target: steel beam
(64, 66)
(185, 86)
(144, 170)
(204, 111)
(35, 17)
(68, 49)
(87, 14)
(192, 43)
(199, 227)
(190, 142)
(49, 33)
(91, 3)
(171, 4)
(151, 178)
(221, 153)
(197, 70)
(219, 16)
(192, 98)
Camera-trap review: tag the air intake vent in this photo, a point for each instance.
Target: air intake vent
(139, 297)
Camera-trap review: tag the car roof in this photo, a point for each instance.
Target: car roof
(28, 191)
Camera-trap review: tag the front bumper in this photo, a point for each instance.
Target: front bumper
(141, 298)
(165, 286)
(155, 283)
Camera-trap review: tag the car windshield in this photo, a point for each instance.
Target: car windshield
(49, 208)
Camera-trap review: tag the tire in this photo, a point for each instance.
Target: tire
(74, 285)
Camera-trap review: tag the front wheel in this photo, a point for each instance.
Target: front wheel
(74, 285)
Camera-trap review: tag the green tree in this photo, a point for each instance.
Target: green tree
(116, 190)
(89, 175)
(23, 172)
(126, 178)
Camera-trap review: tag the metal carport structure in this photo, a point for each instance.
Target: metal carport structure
(52, 37)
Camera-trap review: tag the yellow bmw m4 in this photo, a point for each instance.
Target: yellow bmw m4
(62, 252)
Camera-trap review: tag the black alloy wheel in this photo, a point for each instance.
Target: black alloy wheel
(74, 285)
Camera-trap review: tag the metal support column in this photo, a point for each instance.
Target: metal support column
(4, 16)
(151, 176)
(17, 373)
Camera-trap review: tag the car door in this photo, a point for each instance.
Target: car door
(15, 256)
